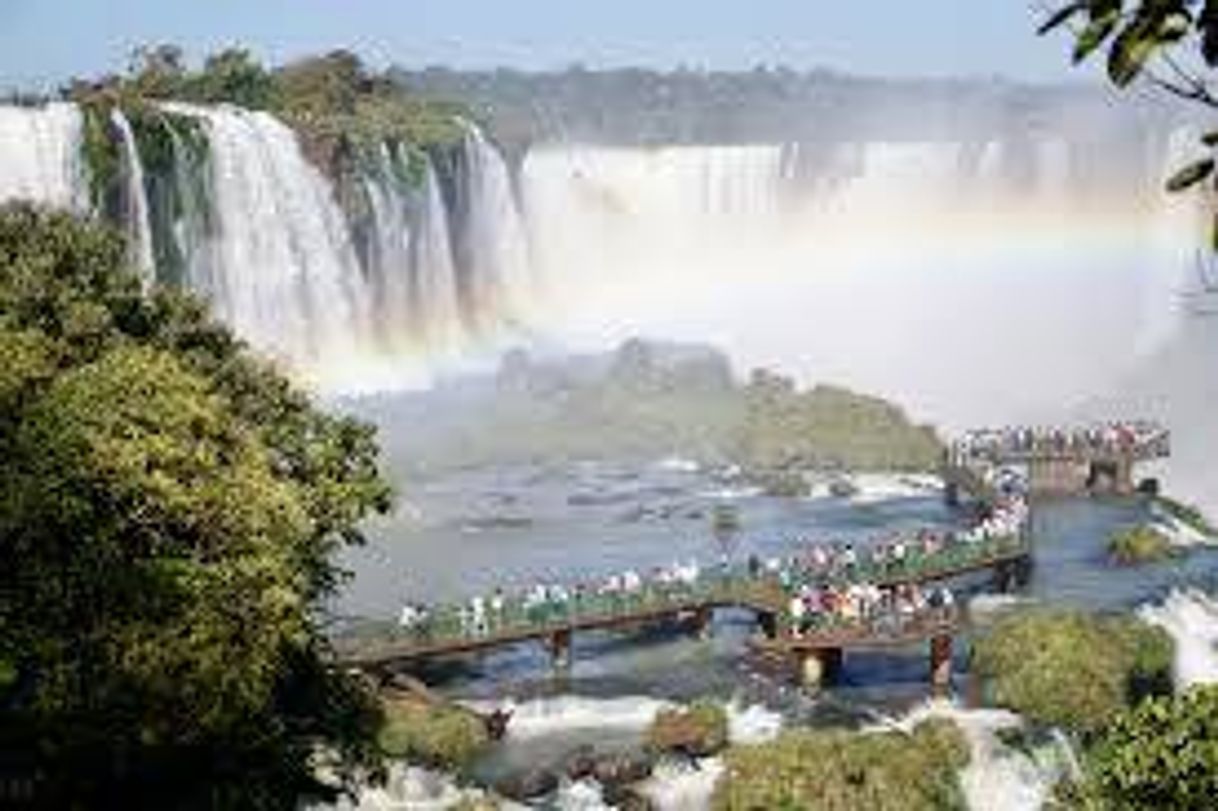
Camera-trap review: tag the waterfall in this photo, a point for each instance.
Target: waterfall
(139, 228)
(409, 253)
(285, 273)
(40, 156)
(493, 246)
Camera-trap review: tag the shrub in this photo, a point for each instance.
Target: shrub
(845, 771)
(429, 735)
(1161, 755)
(1072, 669)
(700, 729)
(1141, 544)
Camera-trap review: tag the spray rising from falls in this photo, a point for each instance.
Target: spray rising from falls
(911, 269)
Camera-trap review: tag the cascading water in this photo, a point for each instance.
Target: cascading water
(40, 156)
(492, 251)
(139, 229)
(1191, 617)
(286, 275)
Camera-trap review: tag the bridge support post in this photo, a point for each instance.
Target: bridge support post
(704, 621)
(819, 667)
(951, 494)
(560, 649)
(941, 664)
(768, 622)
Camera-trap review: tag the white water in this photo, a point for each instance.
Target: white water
(548, 716)
(410, 788)
(139, 228)
(40, 156)
(997, 777)
(1191, 617)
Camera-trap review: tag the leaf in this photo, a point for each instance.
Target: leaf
(1091, 37)
(1129, 52)
(1207, 21)
(1190, 175)
(1058, 17)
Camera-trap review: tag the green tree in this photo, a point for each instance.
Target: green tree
(169, 511)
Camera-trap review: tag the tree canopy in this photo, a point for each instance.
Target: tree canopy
(169, 510)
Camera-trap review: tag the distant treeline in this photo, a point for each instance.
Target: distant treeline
(637, 106)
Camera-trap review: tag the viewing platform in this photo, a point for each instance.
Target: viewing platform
(1058, 461)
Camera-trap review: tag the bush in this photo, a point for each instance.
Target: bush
(1072, 669)
(845, 771)
(429, 735)
(1162, 755)
(1141, 544)
(700, 729)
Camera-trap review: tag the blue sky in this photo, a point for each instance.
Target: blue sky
(45, 41)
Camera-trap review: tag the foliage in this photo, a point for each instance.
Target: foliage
(341, 110)
(437, 736)
(1158, 40)
(1140, 544)
(1071, 669)
(827, 427)
(846, 771)
(700, 729)
(1161, 755)
(169, 509)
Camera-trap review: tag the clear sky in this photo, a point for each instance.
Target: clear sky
(45, 41)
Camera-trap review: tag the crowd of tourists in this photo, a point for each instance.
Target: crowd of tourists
(1142, 438)
(542, 603)
(821, 582)
(896, 554)
(880, 608)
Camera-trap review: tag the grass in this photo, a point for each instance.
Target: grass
(847, 771)
(1137, 545)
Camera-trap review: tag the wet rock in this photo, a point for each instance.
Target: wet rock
(528, 785)
(627, 798)
(623, 767)
(581, 763)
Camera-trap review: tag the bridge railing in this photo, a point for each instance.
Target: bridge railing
(771, 591)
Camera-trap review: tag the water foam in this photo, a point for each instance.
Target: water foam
(1191, 617)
